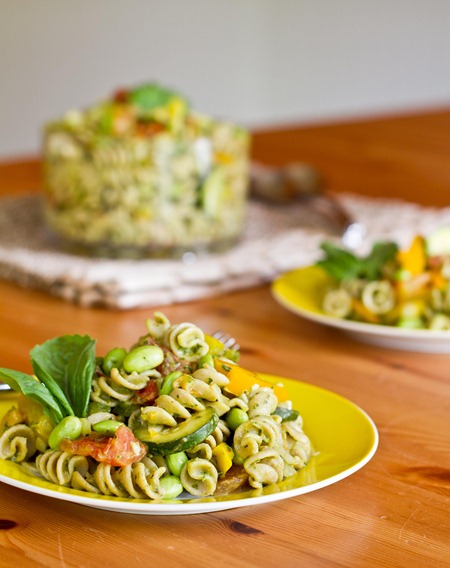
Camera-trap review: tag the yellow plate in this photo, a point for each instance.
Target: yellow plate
(301, 291)
(343, 436)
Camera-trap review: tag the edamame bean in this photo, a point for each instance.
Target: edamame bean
(235, 417)
(114, 359)
(175, 462)
(167, 384)
(69, 428)
(171, 486)
(410, 323)
(107, 427)
(143, 358)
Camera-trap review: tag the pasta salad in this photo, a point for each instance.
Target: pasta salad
(403, 288)
(142, 173)
(174, 414)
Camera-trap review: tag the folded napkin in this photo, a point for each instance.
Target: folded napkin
(276, 239)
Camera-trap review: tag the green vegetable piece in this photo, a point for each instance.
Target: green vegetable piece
(70, 428)
(175, 462)
(182, 437)
(125, 408)
(30, 387)
(237, 459)
(171, 487)
(150, 96)
(287, 414)
(95, 407)
(411, 323)
(167, 384)
(114, 359)
(66, 365)
(381, 254)
(107, 427)
(206, 360)
(235, 417)
(213, 193)
(143, 358)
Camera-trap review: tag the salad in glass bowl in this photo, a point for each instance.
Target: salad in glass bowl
(143, 174)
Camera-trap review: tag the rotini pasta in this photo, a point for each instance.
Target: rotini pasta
(173, 414)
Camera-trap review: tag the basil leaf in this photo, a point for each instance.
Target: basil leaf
(150, 96)
(80, 371)
(65, 365)
(32, 388)
(344, 265)
(381, 254)
(339, 263)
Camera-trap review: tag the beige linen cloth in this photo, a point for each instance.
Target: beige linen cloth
(276, 239)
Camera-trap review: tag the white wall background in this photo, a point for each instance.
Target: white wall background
(259, 62)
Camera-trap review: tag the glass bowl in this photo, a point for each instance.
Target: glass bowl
(143, 175)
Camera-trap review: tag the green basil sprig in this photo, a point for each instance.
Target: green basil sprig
(64, 367)
(341, 264)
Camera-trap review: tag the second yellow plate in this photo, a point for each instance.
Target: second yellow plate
(301, 291)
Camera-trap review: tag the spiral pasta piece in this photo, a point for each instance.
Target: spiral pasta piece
(172, 406)
(199, 477)
(17, 443)
(210, 375)
(254, 434)
(440, 322)
(186, 340)
(264, 468)
(142, 479)
(59, 467)
(337, 303)
(262, 401)
(297, 442)
(204, 449)
(158, 325)
(379, 296)
(119, 386)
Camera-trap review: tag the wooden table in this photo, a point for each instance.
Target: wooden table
(394, 512)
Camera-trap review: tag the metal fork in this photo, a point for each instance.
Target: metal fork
(302, 182)
(228, 340)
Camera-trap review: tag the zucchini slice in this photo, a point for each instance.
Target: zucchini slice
(182, 437)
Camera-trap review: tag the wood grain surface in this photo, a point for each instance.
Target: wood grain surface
(395, 512)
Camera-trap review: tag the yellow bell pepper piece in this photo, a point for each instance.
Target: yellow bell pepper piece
(215, 346)
(223, 456)
(367, 316)
(243, 380)
(414, 259)
(437, 280)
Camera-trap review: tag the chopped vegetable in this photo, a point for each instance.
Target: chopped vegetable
(243, 380)
(223, 457)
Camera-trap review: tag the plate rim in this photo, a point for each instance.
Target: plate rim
(204, 505)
